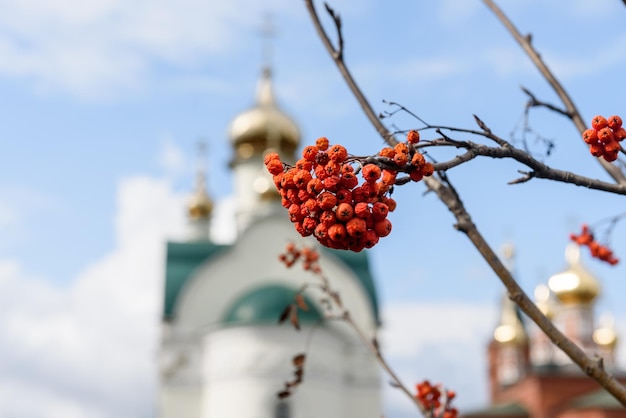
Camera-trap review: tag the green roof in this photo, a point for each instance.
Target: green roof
(600, 399)
(264, 305)
(511, 409)
(182, 259)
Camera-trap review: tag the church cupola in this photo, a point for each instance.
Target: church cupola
(508, 350)
(576, 289)
(199, 204)
(261, 129)
(575, 285)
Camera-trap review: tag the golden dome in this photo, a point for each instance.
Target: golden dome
(264, 126)
(200, 205)
(605, 335)
(544, 301)
(510, 330)
(575, 285)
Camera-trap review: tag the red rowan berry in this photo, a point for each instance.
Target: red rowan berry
(362, 210)
(413, 137)
(599, 122)
(356, 227)
(292, 195)
(322, 143)
(343, 195)
(349, 180)
(321, 231)
(383, 227)
(358, 195)
(303, 195)
(270, 156)
(308, 226)
(337, 232)
(332, 168)
(416, 175)
(614, 122)
(302, 178)
(389, 177)
(320, 172)
(387, 152)
(418, 160)
(619, 134)
(596, 150)
(311, 206)
(287, 179)
(314, 187)
(309, 153)
(328, 218)
(294, 213)
(303, 164)
(612, 146)
(344, 212)
(331, 183)
(428, 169)
(605, 135)
(371, 173)
(391, 203)
(610, 156)
(379, 211)
(590, 136)
(338, 153)
(371, 238)
(370, 190)
(326, 200)
(357, 245)
(274, 167)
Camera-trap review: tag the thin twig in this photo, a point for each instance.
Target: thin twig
(571, 109)
(466, 225)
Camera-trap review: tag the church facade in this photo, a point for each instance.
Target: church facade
(531, 377)
(223, 353)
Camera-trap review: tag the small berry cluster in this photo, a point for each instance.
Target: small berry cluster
(324, 198)
(598, 251)
(604, 137)
(310, 257)
(430, 397)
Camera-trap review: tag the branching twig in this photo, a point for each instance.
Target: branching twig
(466, 225)
(571, 110)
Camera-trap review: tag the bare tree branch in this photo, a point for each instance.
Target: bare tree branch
(465, 224)
(571, 110)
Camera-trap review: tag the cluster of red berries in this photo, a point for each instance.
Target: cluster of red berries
(324, 198)
(430, 397)
(604, 137)
(309, 256)
(598, 251)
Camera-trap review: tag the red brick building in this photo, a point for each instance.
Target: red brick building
(529, 376)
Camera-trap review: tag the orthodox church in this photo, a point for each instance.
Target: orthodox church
(223, 353)
(531, 377)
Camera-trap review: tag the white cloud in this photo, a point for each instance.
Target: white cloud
(104, 47)
(444, 343)
(89, 349)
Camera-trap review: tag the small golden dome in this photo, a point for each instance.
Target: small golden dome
(200, 205)
(605, 335)
(510, 330)
(544, 301)
(264, 126)
(575, 285)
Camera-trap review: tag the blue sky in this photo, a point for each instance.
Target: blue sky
(102, 104)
